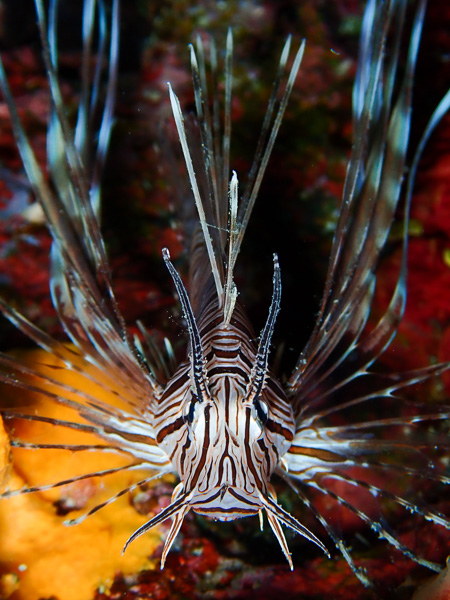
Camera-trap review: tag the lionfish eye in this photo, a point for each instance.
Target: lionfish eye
(189, 410)
(261, 410)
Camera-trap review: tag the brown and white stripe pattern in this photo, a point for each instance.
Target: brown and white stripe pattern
(223, 422)
(244, 444)
(226, 439)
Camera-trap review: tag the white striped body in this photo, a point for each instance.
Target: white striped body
(223, 448)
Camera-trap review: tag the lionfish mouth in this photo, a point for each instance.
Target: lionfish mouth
(225, 503)
(232, 505)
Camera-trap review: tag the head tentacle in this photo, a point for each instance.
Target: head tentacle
(197, 356)
(259, 371)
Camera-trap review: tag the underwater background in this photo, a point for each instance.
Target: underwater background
(295, 216)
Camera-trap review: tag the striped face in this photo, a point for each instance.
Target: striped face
(226, 446)
(224, 421)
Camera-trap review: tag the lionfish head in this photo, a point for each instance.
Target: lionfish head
(232, 437)
(225, 423)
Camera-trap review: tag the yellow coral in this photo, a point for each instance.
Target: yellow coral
(4, 454)
(39, 556)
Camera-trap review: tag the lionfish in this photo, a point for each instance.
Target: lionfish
(222, 421)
